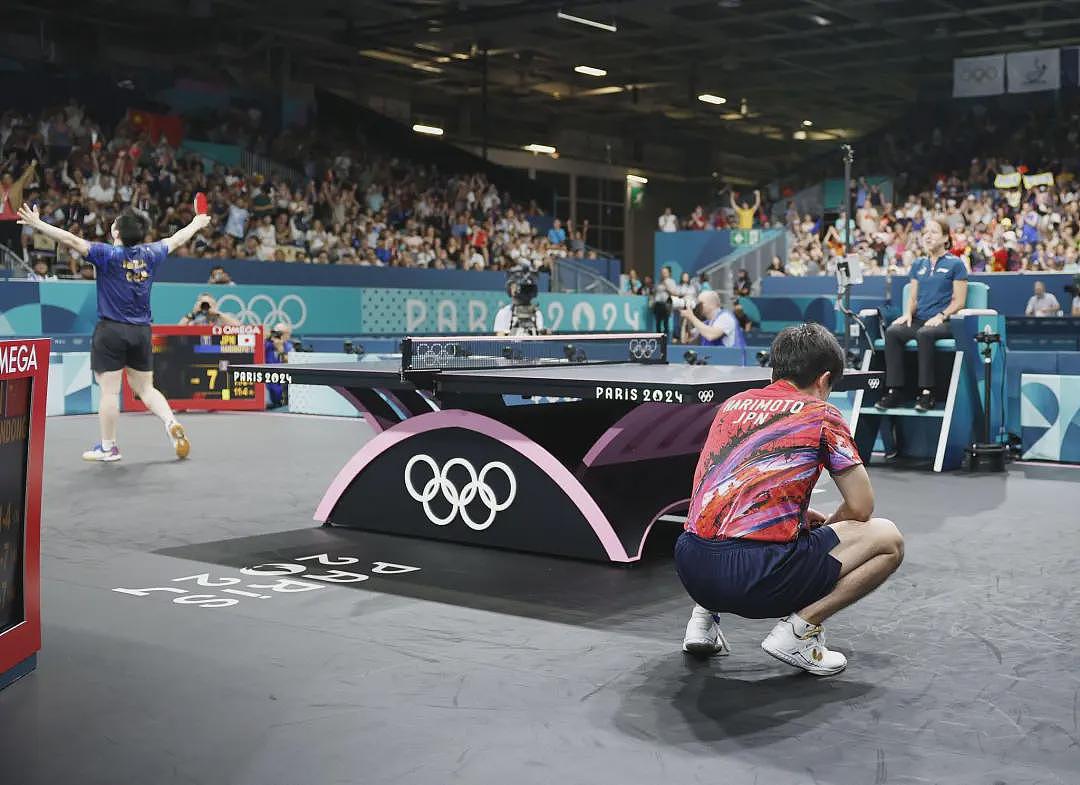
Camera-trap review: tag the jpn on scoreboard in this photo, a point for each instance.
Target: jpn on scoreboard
(191, 367)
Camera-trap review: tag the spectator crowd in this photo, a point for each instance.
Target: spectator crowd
(1020, 229)
(350, 205)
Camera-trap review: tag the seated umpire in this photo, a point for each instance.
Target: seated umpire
(938, 290)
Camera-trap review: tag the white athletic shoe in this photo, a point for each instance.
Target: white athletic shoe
(803, 651)
(98, 453)
(703, 636)
(179, 439)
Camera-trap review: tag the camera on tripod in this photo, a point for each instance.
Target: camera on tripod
(522, 287)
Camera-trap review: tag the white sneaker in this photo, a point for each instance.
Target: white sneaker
(805, 651)
(99, 453)
(179, 439)
(703, 636)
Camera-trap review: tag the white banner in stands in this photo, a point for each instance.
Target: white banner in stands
(1030, 72)
(974, 76)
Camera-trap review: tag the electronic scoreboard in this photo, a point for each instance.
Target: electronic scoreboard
(24, 373)
(191, 367)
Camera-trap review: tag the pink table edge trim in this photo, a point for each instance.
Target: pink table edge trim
(457, 418)
(663, 511)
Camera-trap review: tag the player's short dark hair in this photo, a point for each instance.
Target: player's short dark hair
(802, 353)
(131, 228)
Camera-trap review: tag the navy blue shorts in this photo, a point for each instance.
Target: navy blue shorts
(758, 580)
(117, 345)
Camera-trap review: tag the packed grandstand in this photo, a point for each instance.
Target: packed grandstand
(339, 201)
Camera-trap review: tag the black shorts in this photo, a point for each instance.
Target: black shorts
(117, 345)
(758, 580)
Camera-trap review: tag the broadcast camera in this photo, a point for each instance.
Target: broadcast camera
(1074, 287)
(681, 303)
(522, 287)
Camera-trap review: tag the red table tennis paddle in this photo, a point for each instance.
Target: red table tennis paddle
(201, 207)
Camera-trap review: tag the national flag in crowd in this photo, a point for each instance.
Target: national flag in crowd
(157, 125)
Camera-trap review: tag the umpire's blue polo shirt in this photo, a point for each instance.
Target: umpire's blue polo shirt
(936, 283)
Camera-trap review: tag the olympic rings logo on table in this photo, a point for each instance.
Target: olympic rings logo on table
(705, 396)
(261, 309)
(643, 348)
(435, 351)
(459, 500)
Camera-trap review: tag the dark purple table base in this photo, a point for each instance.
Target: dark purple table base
(584, 479)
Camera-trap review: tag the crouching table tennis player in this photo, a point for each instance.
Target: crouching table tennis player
(753, 546)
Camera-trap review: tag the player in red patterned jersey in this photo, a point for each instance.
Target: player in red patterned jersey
(752, 545)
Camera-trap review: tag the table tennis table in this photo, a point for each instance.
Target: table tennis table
(562, 445)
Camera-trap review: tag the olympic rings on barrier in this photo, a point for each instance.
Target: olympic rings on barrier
(249, 312)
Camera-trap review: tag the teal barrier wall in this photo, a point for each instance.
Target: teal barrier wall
(417, 311)
(67, 307)
(594, 312)
(1050, 417)
(310, 309)
(688, 251)
(411, 311)
(59, 307)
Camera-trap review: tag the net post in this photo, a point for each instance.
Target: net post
(406, 356)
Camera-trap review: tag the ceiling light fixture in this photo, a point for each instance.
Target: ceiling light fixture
(709, 98)
(608, 90)
(540, 148)
(388, 57)
(588, 70)
(589, 22)
(431, 69)
(820, 21)
(637, 178)
(801, 135)
(808, 123)
(430, 130)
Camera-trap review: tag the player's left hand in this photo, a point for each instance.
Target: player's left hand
(934, 321)
(201, 221)
(815, 518)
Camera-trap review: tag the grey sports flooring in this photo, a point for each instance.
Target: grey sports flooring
(490, 667)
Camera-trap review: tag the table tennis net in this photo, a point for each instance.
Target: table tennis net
(477, 352)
